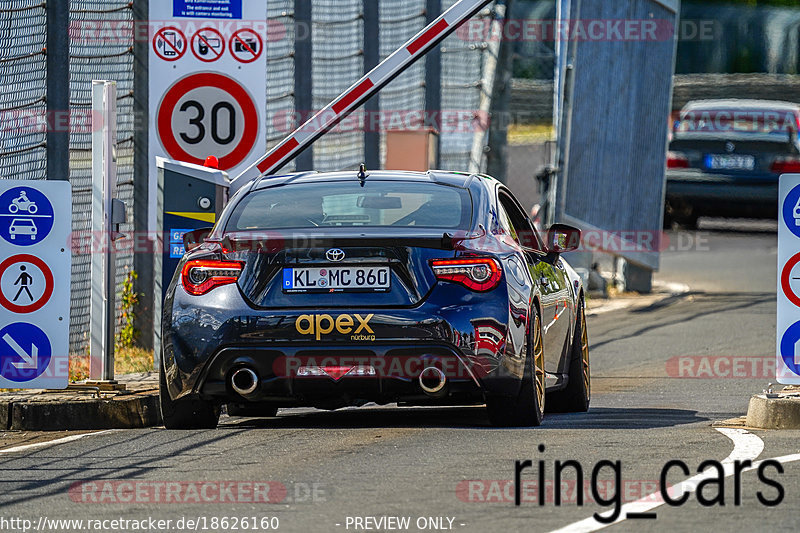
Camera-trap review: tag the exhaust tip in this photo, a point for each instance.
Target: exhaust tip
(432, 380)
(244, 381)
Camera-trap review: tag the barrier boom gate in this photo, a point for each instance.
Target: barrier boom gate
(361, 91)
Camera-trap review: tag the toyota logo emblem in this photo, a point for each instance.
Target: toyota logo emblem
(335, 255)
(730, 147)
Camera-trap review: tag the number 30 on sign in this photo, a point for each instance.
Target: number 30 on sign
(208, 114)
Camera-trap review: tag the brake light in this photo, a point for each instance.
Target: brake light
(480, 274)
(200, 277)
(786, 165)
(676, 160)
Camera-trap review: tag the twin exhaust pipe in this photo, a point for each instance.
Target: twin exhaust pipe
(244, 381)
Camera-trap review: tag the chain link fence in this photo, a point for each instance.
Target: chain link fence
(23, 91)
(102, 54)
(102, 48)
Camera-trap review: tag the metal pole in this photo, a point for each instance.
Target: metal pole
(372, 56)
(104, 181)
(109, 192)
(142, 261)
(303, 66)
(497, 156)
(491, 68)
(433, 73)
(57, 88)
(557, 192)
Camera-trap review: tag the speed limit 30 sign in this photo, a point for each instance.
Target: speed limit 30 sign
(208, 114)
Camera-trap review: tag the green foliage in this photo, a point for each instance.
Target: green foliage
(126, 332)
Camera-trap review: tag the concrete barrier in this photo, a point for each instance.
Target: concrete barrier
(782, 412)
(135, 411)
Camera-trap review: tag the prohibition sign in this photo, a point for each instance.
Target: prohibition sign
(177, 93)
(246, 45)
(785, 280)
(208, 45)
(48, 278)
(170, 43)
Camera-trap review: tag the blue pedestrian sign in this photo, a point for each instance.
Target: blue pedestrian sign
(25, 352)
(26, 216)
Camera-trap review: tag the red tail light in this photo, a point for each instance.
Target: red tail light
(481, 274)
(200, 277)
(786, 165)
(676, 160)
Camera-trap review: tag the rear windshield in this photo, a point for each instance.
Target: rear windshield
(348, 204)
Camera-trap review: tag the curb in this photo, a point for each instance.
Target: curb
(662, 294)
(774, 413)
(129, 412)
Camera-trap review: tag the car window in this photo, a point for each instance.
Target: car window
(348, 204)
(520, 227)
(507, 225)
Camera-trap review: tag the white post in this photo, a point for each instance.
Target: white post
(104, 182)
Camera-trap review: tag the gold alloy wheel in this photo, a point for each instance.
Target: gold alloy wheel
(587, 381)
(538, 362)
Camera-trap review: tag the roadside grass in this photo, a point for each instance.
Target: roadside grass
(126, 361)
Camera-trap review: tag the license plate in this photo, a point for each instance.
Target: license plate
(336, 279)
(730, 162)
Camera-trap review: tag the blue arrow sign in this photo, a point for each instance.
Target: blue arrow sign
(25, 352)
(790, 348)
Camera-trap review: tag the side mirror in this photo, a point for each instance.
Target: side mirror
(562, 238)
(194, 239)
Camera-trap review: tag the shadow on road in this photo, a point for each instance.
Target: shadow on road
(465, 418)
(627, 418)
(683, 310)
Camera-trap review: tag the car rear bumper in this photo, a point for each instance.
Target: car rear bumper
(722, 195)
(380, 373)
(204, 344)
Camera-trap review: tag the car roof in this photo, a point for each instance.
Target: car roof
(451, 178)
(735, 103)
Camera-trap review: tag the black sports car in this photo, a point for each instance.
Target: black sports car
(338, 289)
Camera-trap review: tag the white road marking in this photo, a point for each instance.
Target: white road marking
(746, 446)
(55, 442)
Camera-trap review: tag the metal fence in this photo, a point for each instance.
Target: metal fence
(101, 46)
(23, 74)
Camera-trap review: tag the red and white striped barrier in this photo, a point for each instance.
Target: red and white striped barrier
(361, 91)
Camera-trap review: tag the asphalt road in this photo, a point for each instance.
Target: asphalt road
(662, 375)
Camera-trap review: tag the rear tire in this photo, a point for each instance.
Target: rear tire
(255, 410)
(185, 413)
(527, 409)
(577, 395)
